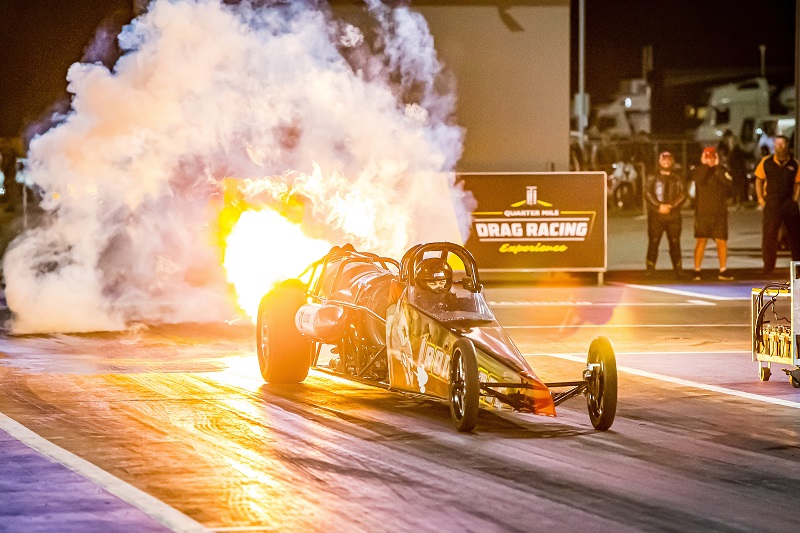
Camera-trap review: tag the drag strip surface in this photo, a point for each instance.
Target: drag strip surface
(182, 414)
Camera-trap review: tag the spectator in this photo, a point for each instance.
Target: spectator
(732, 156)
(724, 147)
(737, 165)
(664, 194)
(713, 187)
(604, 153)
(778, 188)
(766, 143)
(576, 158)
(642, 150)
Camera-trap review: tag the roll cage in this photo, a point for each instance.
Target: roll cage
(324, 275)
(413, 256)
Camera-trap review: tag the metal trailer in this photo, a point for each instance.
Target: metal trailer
(775, 326)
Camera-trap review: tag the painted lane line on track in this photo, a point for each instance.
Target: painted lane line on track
(153, 507)
(601, 304)
(242, 529)
(566, 326)
(715, 352)
(698, 302)
(680, 292)
(684, 382)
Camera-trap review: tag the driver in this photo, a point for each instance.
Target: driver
(434, 278)
(434, 275)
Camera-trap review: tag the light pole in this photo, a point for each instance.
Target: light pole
(581, 70)
(796, 76)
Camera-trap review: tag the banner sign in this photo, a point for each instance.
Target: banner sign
(538, 221)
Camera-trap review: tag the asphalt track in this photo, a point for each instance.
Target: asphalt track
(171, 428)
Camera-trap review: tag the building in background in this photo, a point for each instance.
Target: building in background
(512, 68)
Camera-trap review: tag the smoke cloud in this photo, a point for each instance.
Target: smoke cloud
(353, 122)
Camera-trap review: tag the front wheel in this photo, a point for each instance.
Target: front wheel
(284, 355)
(601, 389)
(464, 385)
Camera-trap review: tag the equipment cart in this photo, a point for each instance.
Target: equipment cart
(775, 323)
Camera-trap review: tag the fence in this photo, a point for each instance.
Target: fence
(618, 157)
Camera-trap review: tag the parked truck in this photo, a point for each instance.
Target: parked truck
(628, 114)
(750, 109)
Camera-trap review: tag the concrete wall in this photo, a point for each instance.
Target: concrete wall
(513, 86)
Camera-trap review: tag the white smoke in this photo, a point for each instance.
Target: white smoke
(206, 91)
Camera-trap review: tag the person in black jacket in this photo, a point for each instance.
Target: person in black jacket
(664, 194)
(778, 189)
(713, 186)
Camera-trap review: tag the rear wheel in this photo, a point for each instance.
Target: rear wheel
(601, 390)
(284, 355)
(464, 385)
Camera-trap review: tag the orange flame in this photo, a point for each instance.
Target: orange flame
(261, 227)
(262, 249)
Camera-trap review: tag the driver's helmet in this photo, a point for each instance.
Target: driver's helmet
(434, 275)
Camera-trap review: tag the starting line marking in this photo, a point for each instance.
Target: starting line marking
(153, 507)
(684, 382)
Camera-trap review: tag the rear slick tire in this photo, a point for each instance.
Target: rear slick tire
(284, 355)
(464, 386)
(601, 389)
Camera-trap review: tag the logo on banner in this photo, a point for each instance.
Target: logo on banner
(533, 225)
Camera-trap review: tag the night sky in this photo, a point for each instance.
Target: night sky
(39, 39)
(685, 34)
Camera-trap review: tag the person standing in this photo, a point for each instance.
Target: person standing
(766, 142)
(724, 147)
(778, 188)
(664, 194)
(713, 187)
(732, 156)
(738, 169)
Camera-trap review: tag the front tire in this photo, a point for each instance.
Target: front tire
(601, 390)
(284, 355)
(464, 386)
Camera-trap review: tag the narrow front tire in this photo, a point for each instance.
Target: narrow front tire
(464, 386)
(601, 386)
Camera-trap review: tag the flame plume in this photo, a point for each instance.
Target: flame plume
(161, 172)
